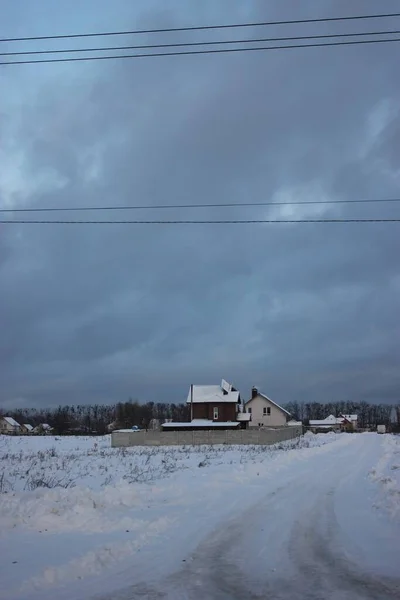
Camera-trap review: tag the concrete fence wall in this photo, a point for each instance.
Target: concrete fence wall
(188, 438)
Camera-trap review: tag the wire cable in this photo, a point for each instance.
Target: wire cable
(201, 27)
(195, 222)
(206, 43)
(200, 205)
(192, 52)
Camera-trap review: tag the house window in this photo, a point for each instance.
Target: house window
(249, 410)
(266, 410)
(215, 413)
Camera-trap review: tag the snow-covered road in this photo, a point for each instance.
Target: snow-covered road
(314, 534)
(318, 518)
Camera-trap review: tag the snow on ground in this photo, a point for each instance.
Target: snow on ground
(386, 474)
(81, 483)
(78, 517)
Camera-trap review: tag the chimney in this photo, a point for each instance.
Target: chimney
(254, 392)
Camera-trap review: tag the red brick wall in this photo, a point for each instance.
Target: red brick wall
(226, 411)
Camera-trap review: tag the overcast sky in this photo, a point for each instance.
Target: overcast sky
(101, 313)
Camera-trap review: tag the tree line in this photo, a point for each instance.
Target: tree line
(95, 418)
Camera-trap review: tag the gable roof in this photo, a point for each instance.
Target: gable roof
(212, 393)
(272, 402)
(331, 420)
(11, 422)
(28, 426)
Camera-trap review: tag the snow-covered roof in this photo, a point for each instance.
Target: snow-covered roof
(201, 423)
(213, 393)
(28, 426)
(269, 400)
(45, 426)
(127, 430)
(331, 420)
(293, 423)
(12, 422)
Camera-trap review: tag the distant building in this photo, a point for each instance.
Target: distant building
(8, 425)
(329, 423)
(154, 425)
(332, 423)
(353, 419)
(43, 428)
(112, 426)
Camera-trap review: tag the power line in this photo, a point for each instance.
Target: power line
(205, 222)
(206, 43)
(192, 52)
(200, 205)
(201, 27)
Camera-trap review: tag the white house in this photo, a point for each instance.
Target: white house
(28, 427)
(9, 425)
(265, 412)
(342, 423)
(43, 428)
(330, 422)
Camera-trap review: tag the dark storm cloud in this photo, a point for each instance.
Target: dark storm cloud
(98, 313)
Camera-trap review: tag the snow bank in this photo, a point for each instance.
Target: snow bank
(386, 475)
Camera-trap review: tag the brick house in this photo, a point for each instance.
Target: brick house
(214, 402)
(212, 407)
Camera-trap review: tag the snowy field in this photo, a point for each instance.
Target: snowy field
(317, 517)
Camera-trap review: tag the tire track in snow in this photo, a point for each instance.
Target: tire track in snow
(320, 560)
